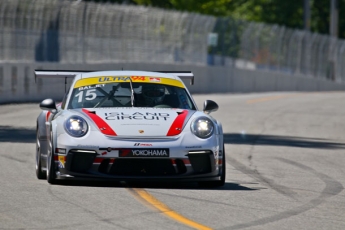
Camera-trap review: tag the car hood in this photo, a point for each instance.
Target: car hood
(142, 122)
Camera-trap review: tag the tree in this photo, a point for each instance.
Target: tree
(287, 13)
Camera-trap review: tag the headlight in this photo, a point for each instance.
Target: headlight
(202, 127)
(76, 126)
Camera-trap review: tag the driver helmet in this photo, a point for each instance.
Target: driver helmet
(153, 94)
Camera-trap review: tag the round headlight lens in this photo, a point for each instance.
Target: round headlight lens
(76, 126)
(202, 127)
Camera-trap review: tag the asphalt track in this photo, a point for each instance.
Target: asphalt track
(285, 170)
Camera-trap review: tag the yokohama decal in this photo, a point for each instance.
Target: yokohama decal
(144, 153)
(101, 124)
(177, 125)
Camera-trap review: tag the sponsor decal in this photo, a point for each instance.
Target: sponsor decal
(142, 144)
(138, 78)
(121, 78)
(109, 79)
(62, 160)
(144, 153)
(91, 87)
(136, 116)
(155, 79)
(113, 79)
(193, 147)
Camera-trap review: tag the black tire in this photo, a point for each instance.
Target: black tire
(219, 183)
(39, 173)
(51, 173)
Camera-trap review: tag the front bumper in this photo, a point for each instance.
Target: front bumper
(189, 159)
(198, 165)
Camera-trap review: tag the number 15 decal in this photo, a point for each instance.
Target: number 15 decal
(90, 95)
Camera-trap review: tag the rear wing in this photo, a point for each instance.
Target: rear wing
(62, 74)
(185, 75)
(57, 74)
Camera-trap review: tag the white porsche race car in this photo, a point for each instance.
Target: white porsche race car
(128, 126)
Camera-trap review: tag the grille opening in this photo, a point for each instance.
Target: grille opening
(81, 162)
(181, 168)
(201, 162)
(142, 167)
(103, 167)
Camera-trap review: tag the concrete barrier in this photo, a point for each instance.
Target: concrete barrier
(17, 82)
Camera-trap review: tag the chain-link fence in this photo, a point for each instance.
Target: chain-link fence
(85, 32)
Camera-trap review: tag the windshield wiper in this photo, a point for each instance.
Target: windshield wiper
(132, 92)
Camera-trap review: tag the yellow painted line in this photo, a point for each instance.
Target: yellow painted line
(166, 210)
(271, 98)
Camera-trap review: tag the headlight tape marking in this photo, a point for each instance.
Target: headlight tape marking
(101, 124)
(177, 126)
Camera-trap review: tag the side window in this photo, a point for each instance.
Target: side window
(63, 103)
(184, 99)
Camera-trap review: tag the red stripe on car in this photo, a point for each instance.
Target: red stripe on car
(177, 125)
(101, 124)
(47, 115)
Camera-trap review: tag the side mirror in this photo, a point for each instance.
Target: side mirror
(48, 104)
(210, 106)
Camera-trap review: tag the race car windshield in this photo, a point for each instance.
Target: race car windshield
(130, 94)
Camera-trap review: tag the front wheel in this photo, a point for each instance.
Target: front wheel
(39, 173)
(51, 173)
(219, 183)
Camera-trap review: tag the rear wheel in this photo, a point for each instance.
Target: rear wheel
(51, 173)
(218, 183)
(39, 173)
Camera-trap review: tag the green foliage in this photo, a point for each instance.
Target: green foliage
(287, 13)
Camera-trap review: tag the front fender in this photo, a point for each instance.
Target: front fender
(220, 134)
(41, 125)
